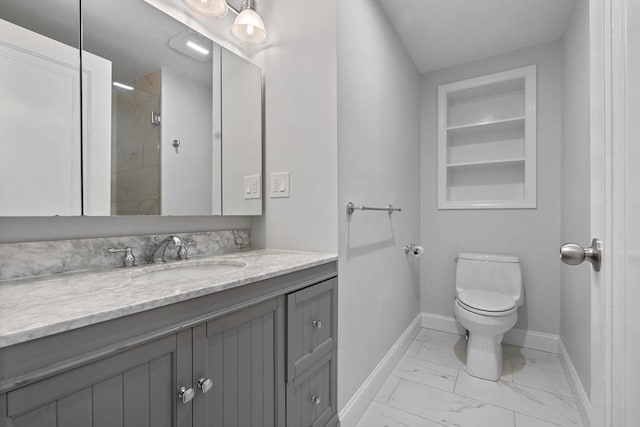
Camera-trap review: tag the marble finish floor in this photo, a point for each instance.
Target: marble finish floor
(429, 388)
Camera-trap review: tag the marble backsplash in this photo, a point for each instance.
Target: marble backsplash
(59, 256)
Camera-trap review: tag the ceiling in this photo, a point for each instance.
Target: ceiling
(443, 33)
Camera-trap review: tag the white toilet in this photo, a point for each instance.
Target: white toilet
(488, 294)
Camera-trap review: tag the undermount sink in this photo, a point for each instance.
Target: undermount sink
(191, 272)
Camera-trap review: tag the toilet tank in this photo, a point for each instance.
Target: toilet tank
(490, 272)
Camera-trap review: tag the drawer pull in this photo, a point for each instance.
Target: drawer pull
(317, 324)
(186, 394)
(205, 384)
(315, 399)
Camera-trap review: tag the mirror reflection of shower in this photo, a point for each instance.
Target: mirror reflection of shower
(135, 147)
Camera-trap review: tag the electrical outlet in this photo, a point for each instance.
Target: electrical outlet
(279, 184)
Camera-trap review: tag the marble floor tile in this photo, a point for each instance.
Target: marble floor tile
(452, 356)
(379, 415)
(437, 337)
(387, 388)
(427, 373)
(446, 408)
(519, 398)
(413, 348)
(543, 379)
(526, 356)
(527, 421)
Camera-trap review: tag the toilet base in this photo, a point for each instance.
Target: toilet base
(484, 347)
(484, 357)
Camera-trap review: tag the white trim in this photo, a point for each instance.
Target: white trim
(442, 323)
(530, 339)
(579, 394)
(359, 402)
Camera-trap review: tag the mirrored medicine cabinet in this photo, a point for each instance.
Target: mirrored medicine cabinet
(116, 108)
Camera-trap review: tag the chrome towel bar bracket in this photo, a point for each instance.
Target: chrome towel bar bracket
(351, 208)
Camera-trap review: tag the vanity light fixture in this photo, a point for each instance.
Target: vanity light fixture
(123, 86)
(248, 25)
(212, 8)
(197, 48)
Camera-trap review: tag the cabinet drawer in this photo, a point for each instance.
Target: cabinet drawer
(310, 328)
(310, 397)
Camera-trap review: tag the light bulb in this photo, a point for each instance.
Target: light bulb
(212, 8)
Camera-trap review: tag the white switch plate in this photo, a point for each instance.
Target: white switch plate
(279, 184)
(252, 187)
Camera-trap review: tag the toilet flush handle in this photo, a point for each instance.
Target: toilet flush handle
(574, 254)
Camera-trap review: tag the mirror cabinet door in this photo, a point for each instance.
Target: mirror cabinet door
(158, 111)
(242, 136)
(40, 160)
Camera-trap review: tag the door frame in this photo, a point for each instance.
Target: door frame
(608, 144)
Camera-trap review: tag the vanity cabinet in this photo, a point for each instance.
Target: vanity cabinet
(263, 354)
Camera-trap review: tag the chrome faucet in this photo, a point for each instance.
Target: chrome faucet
(156, 252)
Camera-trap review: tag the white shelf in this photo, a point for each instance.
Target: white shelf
(487, 142)
(486, 163)
(489, 125)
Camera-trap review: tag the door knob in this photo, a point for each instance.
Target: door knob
(574, 254)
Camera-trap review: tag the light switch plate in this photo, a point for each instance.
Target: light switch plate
(252, 187)
(279, 184)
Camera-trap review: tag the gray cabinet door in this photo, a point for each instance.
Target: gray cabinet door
(239, 353)
(134, 388)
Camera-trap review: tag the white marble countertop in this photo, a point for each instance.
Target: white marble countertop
(40, 306)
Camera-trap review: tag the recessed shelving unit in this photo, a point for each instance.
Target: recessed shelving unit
(487, 141)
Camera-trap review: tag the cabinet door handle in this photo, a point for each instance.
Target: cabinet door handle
(185, 394)
(315, 399)
(205, 384)
(317, 324)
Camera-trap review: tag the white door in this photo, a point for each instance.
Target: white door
(40, 130)
(615, 212)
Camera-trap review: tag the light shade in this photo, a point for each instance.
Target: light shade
(212, 8)
(248, 25)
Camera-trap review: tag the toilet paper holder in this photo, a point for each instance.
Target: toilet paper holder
(413, 249)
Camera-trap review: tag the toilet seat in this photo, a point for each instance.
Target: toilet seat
(486, 302)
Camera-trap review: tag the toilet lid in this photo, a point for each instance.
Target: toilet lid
(486, 300)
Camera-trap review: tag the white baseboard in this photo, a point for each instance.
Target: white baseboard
(522, 338)
(582, 400)
(359, 402)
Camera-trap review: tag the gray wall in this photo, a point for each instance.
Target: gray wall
(378, 163)
(575, 312)
(300, 125)
(531, 234)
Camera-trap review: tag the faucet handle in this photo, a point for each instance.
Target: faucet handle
(128, 259)
(182, 248)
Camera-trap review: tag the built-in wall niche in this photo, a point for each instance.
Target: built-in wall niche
(487, 141)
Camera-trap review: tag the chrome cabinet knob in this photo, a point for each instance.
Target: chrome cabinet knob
(205, 384)
(574, 254)
(315, 399)
(186, 394)
(317, 324)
